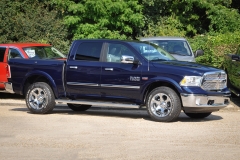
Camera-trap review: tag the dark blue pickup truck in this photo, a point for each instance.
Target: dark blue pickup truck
(119, 73)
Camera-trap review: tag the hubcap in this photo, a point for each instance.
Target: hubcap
(37, 98)
(161, 105)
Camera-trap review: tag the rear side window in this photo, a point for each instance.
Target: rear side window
(13, 53)
(2, 52)
(89, 51)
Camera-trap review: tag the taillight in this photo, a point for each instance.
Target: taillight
(8, 71)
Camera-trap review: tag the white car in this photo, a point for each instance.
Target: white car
(177, 46)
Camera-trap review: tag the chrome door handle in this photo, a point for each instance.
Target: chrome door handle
(108, 69)
(73, 67)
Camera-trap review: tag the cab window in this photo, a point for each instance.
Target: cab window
(13, 53)
(89, 51)
(115, 51)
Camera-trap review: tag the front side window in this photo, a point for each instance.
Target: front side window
(2, 52)
(115, 51)
(89, 51)
(43, 52)
(13, 53)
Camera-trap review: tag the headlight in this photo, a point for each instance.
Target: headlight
(191, 81)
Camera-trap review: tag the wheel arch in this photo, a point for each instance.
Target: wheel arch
(161, 82)
(38, 76)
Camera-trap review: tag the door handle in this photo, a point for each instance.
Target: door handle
(108, 69)
(73, 67)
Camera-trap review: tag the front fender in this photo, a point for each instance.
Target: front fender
(42, 74)
(162, 80)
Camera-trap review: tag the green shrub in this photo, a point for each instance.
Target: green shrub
(215, 46)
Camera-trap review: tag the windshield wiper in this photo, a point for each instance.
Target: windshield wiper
(178, 54)
(159, 60)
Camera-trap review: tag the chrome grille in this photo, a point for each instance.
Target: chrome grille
(214, 80)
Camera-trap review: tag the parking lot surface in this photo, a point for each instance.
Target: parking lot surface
(114, 133)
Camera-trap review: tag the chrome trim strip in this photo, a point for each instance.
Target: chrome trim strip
(120, 86)
(103, 85)
(82, 84)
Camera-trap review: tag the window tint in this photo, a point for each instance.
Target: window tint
(13, 53)
(89, 51)
(2, 52)
(116, 51)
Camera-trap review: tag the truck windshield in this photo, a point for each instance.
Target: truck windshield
(43, 52)
(179, 47)
(152, 52)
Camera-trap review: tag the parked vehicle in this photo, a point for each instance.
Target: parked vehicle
(232, 67)
(177, 46)
(120, 73)
(20, 50)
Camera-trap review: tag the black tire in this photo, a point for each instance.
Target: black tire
(40, 98)
(79, 107)
(198, 115)
(163, 104)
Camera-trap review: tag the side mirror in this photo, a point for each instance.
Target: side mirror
(129, 59)
(235, 57)
(199, 53)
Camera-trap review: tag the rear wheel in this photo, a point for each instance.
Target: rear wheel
(198, 115)
(163, 104)
(79, 107)
(40, 98)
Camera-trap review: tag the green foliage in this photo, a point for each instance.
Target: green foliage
(215, 47)
(117, 19)
(31, 21)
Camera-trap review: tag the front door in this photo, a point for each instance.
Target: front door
(120, 81)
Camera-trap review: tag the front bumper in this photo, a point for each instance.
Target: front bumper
(8, 87)
(197, 103)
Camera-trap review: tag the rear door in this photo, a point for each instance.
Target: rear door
(120, 81)
(3, 65)
(83, 71)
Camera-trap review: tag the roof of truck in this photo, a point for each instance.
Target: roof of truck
(162, 38)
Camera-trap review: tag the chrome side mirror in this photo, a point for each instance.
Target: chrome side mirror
(129, 59)
(199, 53)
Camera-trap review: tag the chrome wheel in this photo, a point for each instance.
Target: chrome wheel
(161, 105)
(37, 99)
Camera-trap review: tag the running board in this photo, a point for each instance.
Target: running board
(110, 104)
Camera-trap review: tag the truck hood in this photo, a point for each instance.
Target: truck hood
(184, 68)
(184, 58)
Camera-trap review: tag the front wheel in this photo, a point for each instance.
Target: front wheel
(79, 107)
(198, 115)
(40, 98)
(163, 104)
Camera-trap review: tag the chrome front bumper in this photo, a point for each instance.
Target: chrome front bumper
(8, 87)
(204, 103)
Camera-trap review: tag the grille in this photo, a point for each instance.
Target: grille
(214, 81)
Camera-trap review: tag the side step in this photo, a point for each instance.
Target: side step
(98, 103)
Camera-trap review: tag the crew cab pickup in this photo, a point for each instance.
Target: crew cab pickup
(120, 73)
(17, 50)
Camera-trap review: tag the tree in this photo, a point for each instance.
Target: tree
(31, 21)
(118, 19)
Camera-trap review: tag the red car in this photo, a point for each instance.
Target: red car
(22, 50)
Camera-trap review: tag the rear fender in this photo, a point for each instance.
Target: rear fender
(43, 75)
